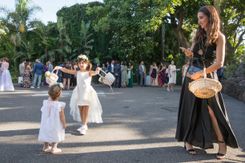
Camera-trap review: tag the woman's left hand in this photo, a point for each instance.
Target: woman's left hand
(197, 75)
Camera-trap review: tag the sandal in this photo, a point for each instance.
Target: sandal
(48, 149)
(56, 150)
(220, 155)
(191, 151)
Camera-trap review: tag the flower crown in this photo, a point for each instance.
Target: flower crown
(83, 57)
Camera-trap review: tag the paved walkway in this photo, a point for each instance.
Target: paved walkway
(139, 126)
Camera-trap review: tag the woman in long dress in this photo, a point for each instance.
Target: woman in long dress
(202, 122)
(6, 83)
(162, 75)
(153, 74)
(27, 75)
(130, 75)
(172, 76)
(124, 75)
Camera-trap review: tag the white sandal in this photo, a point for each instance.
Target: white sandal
(55, 151)
(47, 149)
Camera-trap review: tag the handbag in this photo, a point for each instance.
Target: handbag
(106, 78)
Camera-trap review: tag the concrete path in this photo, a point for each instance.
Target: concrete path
(139, 126)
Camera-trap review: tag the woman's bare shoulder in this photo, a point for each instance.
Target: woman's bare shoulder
(221, 37)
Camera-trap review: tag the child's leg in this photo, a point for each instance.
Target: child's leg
(68, 83)
(64, 83)
(85, 115)
(84, 118)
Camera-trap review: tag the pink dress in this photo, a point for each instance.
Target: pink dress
(6, 83)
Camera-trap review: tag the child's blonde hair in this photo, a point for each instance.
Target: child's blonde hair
(55, 91)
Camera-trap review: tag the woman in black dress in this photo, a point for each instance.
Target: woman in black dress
(202, 122)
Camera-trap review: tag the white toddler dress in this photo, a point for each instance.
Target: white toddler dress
(85, 95)
(51, 129)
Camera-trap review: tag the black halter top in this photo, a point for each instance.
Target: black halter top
(203, 54)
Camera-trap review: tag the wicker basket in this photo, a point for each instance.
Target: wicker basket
(106, 78)
(51, 77)
(205, 87)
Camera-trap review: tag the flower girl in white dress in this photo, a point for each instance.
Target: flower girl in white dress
(53, 123)
(6, 83)
(85, 105)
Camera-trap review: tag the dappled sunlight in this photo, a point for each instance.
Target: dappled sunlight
(135, 123)
(91, 149)
(12, 126)
(9, 108)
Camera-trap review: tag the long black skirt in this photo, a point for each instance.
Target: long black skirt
(194, 124)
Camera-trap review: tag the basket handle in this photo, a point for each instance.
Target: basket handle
(55, 72)
(103, 72)
(204, 73)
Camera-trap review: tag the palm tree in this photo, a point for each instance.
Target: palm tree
(17, 22)
(86, 40)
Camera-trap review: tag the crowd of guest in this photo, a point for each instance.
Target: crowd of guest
(31, 75)
(162, 75)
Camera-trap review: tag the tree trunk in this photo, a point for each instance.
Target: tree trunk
(182, 40)
(163, 39)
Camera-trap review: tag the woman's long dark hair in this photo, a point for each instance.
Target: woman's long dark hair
(213, 28)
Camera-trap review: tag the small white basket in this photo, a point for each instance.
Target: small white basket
(205, 88)
(51, 77)
(106, 78)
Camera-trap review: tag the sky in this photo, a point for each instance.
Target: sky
(49, 7)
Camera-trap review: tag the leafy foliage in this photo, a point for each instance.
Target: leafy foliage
(128, 30)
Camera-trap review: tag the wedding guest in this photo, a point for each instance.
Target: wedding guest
(38, 72)
(142, 73)
(124, 75)
(6, 83)
(202, 122)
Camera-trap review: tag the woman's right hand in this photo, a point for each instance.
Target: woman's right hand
(187, 52)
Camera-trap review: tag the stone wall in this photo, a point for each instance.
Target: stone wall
(235, 86)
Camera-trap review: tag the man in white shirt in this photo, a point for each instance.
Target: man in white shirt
(111, 67)
(21, 72)
(22, 68)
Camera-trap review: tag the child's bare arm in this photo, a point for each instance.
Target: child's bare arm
(93, 73)
(65, 70)
(62, 118)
